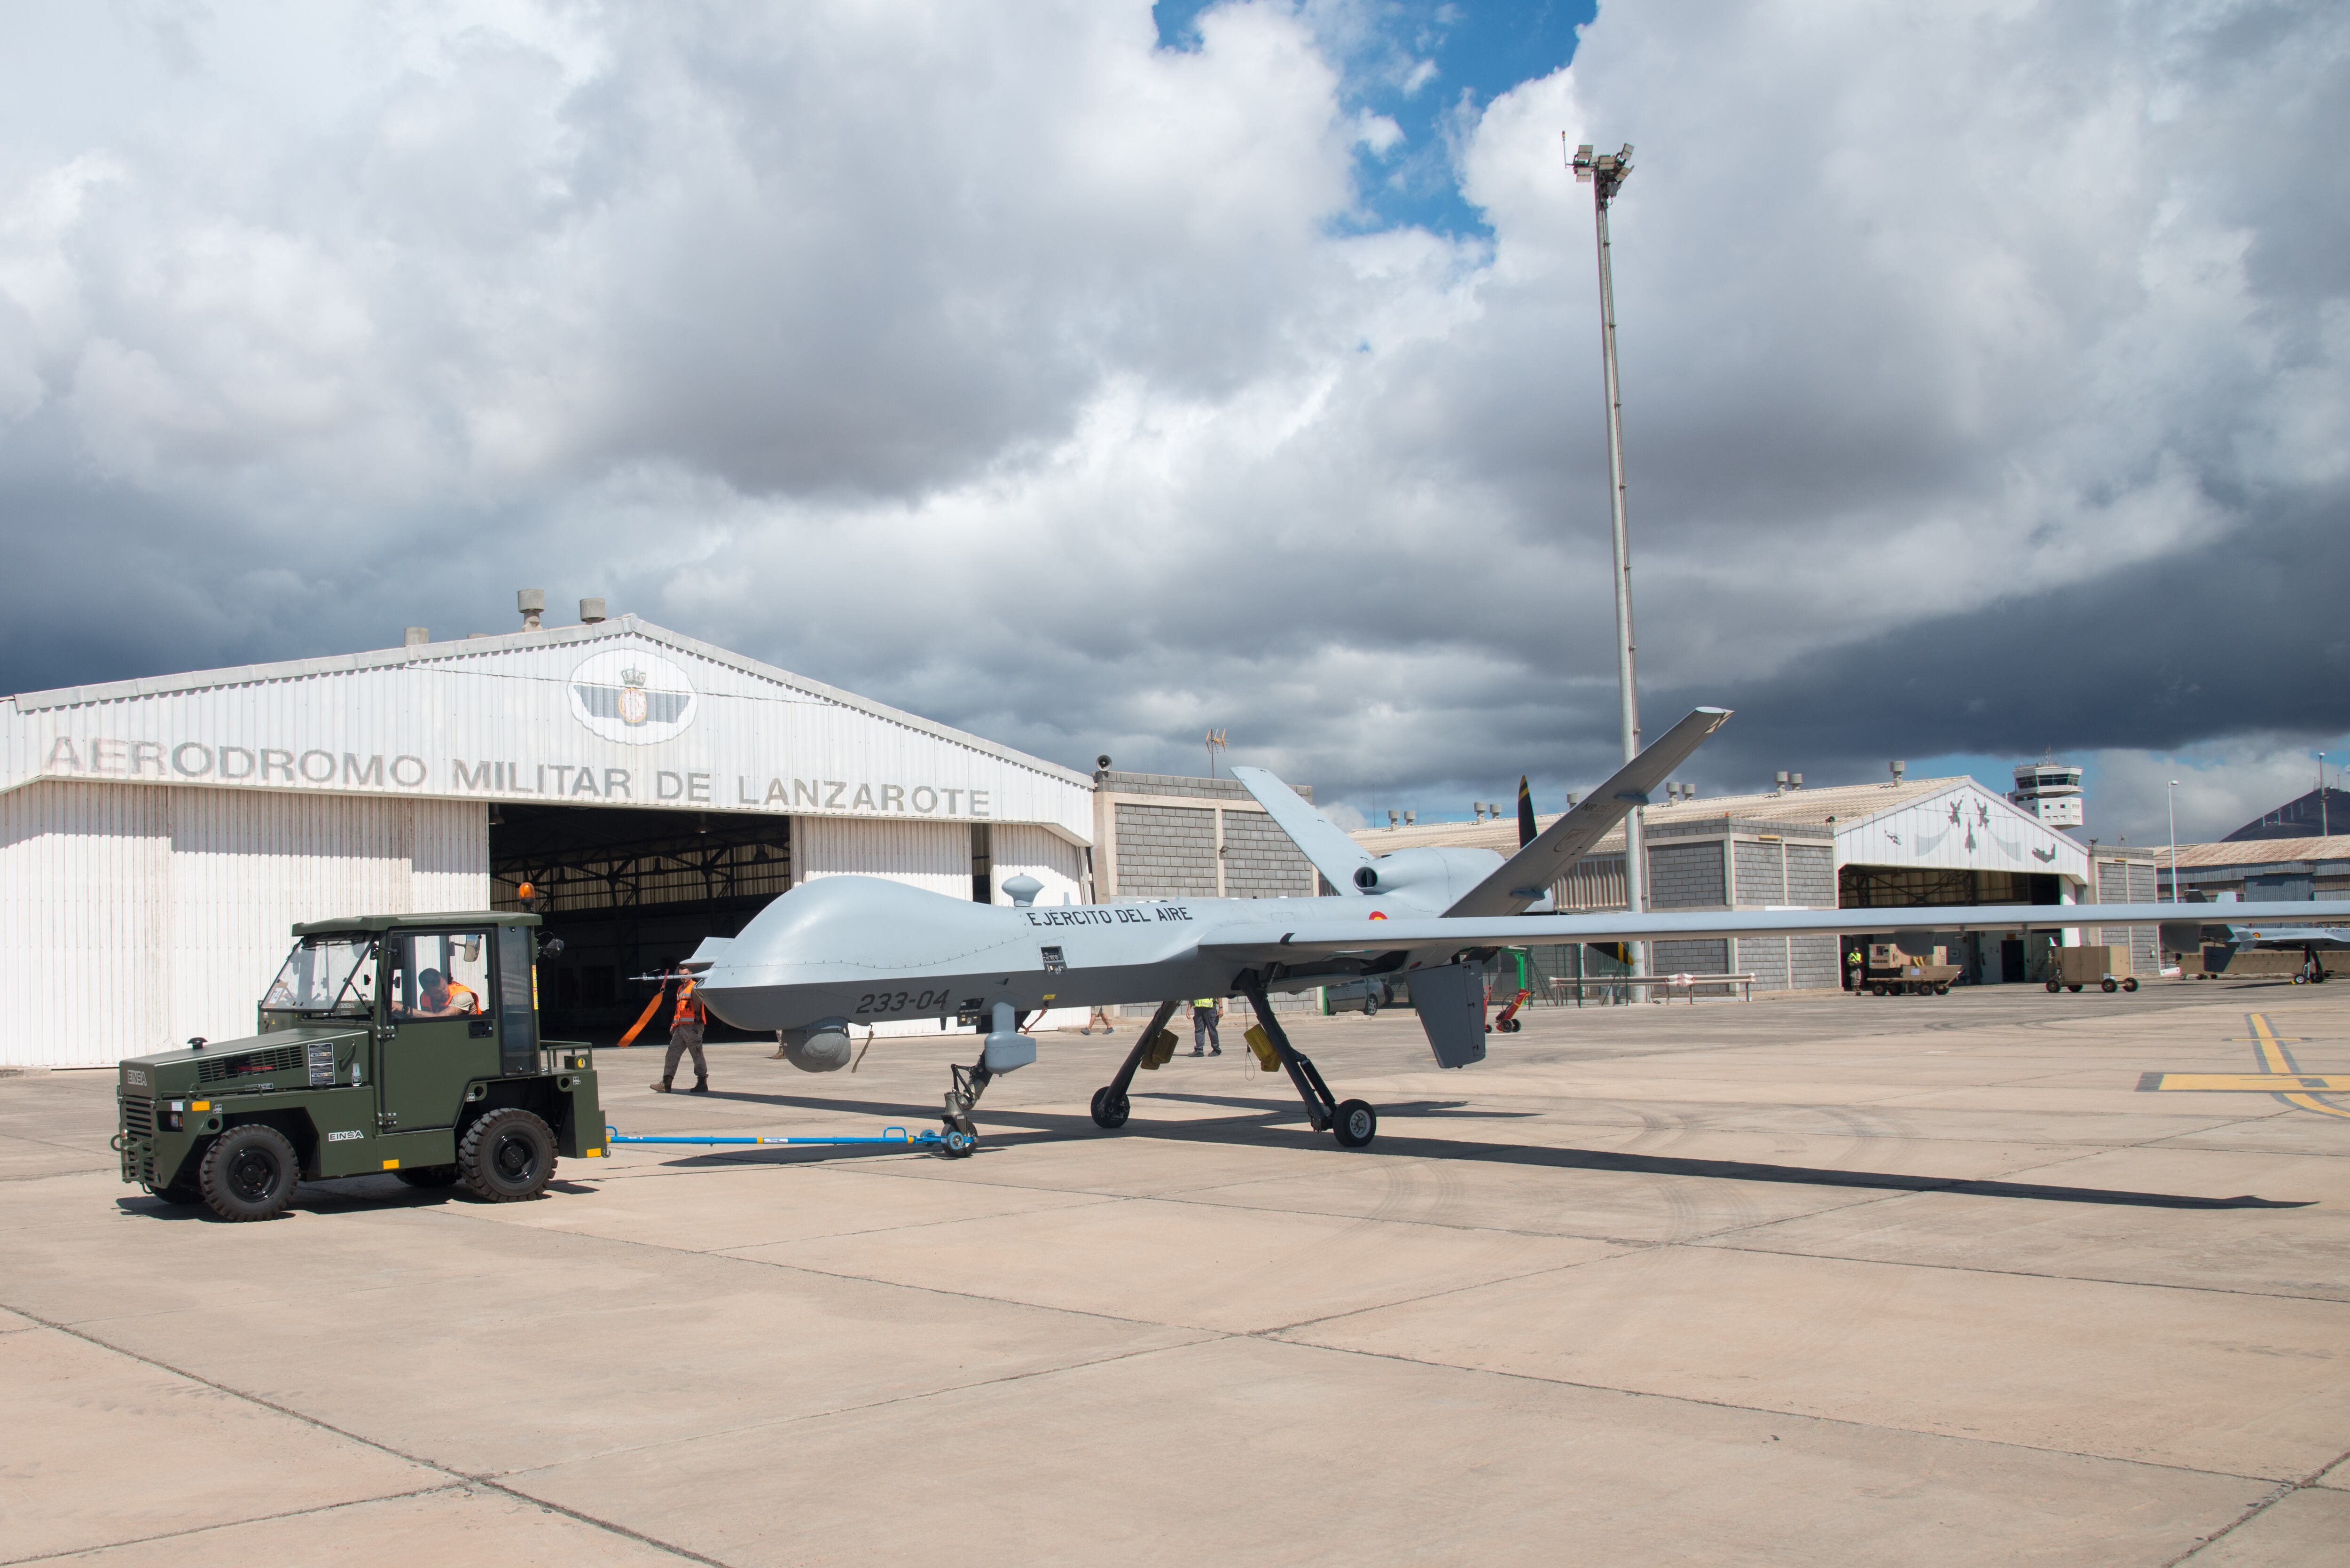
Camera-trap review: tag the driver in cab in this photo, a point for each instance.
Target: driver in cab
(437, 996)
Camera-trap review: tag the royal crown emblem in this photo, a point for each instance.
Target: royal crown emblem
(638, 699)
(635, 706)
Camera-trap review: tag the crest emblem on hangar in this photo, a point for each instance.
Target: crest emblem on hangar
(633, 697)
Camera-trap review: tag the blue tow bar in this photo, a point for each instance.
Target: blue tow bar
(951, 1142)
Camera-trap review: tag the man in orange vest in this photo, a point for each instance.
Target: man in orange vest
(440, 997)
(685, 1026)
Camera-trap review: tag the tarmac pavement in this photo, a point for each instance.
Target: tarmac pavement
(1798, 1281)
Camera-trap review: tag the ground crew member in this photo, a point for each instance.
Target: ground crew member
(685, 1034)
(1853, 973)
(1205, 1014)
(440, 997)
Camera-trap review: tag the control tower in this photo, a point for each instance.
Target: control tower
(2049, 791)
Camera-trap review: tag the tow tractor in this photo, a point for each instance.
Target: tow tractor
(398, 1044)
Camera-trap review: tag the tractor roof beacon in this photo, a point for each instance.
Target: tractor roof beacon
(398, 1044)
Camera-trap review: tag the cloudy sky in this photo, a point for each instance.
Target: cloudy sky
(1088, 376)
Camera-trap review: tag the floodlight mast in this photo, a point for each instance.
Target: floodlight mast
(1606, 175)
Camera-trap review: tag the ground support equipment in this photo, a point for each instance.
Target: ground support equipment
(1110, 1105)
(1352, 1122)
(891, 1137)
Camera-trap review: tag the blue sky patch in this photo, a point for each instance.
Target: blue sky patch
(1432, 67)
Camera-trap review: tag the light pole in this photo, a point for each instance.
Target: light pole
(2324, 830)
(2171, 794)
(1606, 175)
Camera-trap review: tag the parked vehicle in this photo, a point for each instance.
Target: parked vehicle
(2107, 968)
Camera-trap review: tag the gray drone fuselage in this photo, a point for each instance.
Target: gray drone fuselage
(867, 950)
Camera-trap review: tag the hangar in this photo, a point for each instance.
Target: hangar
(157, 837)
(1901, 843)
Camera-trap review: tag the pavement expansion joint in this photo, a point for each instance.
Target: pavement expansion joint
(2027, 1273)
(291, 1414)
(2277, 1494)
(443, 1488)
(833, 1412)
(1781, 1413)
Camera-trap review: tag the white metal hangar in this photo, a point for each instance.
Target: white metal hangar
(1902, 844)
(158, 836)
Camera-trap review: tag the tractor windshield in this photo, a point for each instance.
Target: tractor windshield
(334, 975)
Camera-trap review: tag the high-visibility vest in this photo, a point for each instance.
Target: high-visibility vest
(689, 1007)
(1205, 1002)
(461, 998)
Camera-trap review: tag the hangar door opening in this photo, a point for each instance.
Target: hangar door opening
(631, 890)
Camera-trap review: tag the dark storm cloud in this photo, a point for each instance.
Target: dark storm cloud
(2244, 634)
(1009, 368)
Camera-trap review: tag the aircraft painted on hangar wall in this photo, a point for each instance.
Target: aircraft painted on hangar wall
(833, 953)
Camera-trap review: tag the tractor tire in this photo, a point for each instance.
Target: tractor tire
(2130, 984)
(249, 1173)
(2054, 986)
(2074, 988)
(429, 1175)
(1943, 989)
(2108, 986)
(506, 1157)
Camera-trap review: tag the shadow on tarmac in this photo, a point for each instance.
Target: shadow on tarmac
(1250, 1130)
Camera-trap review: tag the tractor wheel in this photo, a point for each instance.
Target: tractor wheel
(2054, 986)
(429, 1175)
(2108, 985)
(249, 1173)
(2130, 984)
(506, 1156)
(2074, 988)
(1943, 989)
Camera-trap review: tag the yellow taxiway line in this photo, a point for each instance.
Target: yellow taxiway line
(2278, 1076)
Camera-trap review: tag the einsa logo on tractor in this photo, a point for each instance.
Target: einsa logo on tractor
(406, 1044)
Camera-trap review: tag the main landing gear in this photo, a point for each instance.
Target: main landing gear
(1352, 1122)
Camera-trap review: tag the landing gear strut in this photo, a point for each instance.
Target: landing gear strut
(1353, 1121)
(970, 1083)
(1110, 1105)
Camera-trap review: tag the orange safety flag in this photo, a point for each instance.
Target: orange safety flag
(642, 1019)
